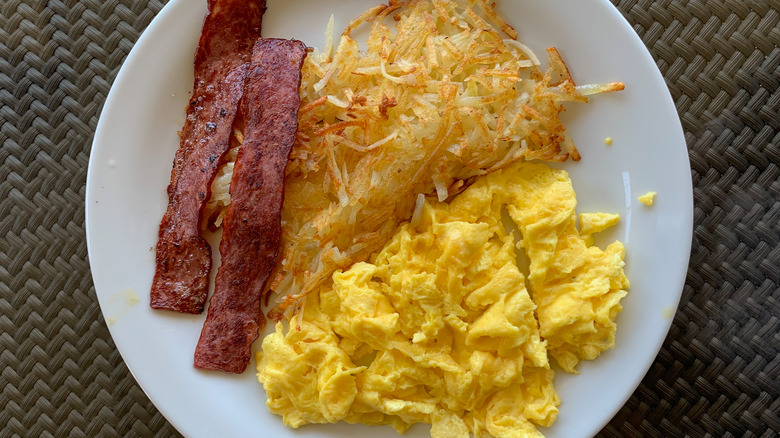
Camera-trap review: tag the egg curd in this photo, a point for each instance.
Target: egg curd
(440, 328)
(648, 198)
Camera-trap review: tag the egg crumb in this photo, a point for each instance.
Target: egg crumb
(608, 140)
(442, 327)
(648, 198)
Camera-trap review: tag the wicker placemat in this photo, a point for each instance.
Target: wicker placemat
(717, 374)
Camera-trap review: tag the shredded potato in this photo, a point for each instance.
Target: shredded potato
(216, 206)
(444, 95)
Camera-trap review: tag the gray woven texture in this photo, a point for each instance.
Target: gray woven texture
(717, 374)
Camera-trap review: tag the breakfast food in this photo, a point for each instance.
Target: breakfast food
(251, 229)
(433, 102)
(648, 198)
(428, 270)
(576, 287)
(183, 258)
(439, 327)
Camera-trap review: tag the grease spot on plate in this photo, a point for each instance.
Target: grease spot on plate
(122, 302)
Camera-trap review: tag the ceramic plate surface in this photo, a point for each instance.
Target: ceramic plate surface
(136, 139)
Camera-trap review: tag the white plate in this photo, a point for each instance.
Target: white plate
(137, 137)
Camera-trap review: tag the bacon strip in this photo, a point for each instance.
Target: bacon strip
(221, 63)
(251, 231)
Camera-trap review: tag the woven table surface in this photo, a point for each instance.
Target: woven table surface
(718, 373)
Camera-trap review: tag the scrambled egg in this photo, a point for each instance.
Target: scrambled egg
(577, 287)
(648, 198)
(440, 328)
